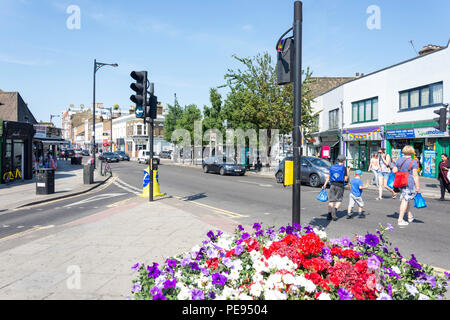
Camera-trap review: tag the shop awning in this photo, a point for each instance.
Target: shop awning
(330, 144)
(52, 142)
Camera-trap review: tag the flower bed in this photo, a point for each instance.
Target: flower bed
(293, 263)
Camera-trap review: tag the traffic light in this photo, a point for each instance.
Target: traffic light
(140, 87)
(285, 61)
(442, 120)
(151, 109)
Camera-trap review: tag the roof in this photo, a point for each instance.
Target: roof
(320, 85)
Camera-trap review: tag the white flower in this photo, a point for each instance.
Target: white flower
(255, 255)
(396, 269)
(423, 297)
(324, 296)
(256, 290)
(384, 296)
(244, 296)
(301, 281)
(321, 233)
(288, 278)
(274, 295)
(185, 294)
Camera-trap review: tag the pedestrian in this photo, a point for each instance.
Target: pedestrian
(443, 175)
(337, 178)
(356, 187)
(407, 164)
(374, 167)
(385, 169)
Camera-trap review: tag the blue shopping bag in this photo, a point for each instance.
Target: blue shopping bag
(419, 201)
(390, 182)
(323, 196)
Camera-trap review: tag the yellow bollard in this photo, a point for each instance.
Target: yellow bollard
(288, 173)
(146, 184)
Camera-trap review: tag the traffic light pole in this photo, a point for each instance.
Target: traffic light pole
(297, 92)
(150, 139)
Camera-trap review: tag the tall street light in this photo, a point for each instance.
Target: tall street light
(97, 66)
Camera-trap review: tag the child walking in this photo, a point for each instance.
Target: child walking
(357, 187)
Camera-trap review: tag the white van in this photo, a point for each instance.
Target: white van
(144, 156)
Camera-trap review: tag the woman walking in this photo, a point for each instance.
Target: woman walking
(374, 167)
(407, 164)
(443, 178)
(383, 176)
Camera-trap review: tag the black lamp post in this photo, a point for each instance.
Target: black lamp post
(97, 66)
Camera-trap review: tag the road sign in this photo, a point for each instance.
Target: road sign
(139, 112)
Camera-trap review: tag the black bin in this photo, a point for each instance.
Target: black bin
(45, 183)
(88, 174)
(76, 160)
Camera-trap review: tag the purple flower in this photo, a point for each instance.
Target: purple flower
(259, 233)
(326, 251)
(245, 236)
(185, 261)
(289, 230)
(170, 283)
(240, 228)
(219, 233)
(282, 230)
(271, 233)
(371, 240)
(392, 273)
(153, 271)
(210, 235)
(447, 275)
(398, 253)
(373, 262)
(344, 294)
(256, 226)
(136, 287)
(135, 267)
(390, 227)
(219, 279)
(194, 266)
(345, 241)
(171, 263)
(308, 229)
(197, 294)
(159, 296)
(227, 262)
(384, 296)
(212, 295)
(411, 289)
(205, 271)
(155, 290)
(389, 287)
(200, 254)
(413, 263)
(238, 250)
(297, 226)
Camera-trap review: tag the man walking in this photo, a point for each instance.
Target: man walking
(337, 178)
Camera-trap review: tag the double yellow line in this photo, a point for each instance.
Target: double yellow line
(26, 231)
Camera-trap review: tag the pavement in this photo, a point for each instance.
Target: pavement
(91, 258)
(68, 182)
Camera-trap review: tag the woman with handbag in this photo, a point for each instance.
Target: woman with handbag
(383, 173)
(443, 175)
(407, 181)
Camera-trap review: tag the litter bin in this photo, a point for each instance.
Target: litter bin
(76, 160)
(45, 183)
(88, 174)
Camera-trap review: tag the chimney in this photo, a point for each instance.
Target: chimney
(428, 49)
(357, 74)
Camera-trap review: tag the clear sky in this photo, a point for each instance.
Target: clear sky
(187, 46)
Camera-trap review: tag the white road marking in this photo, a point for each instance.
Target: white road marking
(256, 183)
(125, 186)
(95, 198)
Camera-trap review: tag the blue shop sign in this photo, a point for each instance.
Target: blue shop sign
(401, 134)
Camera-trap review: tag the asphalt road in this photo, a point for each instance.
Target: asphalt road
(251, 198)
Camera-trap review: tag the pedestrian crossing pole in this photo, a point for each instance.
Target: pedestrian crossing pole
(150, 138)
(297, 92)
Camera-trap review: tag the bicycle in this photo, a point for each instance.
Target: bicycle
(9, 176)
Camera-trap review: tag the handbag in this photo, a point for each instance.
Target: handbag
(401, 178)
(390, 182)
(323, 196)
(419, 201)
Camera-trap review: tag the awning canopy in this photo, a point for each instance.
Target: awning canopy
(51, 141)
(330, 144)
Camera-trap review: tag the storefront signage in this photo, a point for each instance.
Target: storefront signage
(400, 134)
(373, 135)
(41, 132)
(47, 132)
(326, 152)
(429, 163)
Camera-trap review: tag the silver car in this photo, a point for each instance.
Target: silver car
(314, 171)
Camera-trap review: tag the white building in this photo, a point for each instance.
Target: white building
(390, 108)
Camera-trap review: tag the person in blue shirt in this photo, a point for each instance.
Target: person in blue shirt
(356, 187)
(338, 177)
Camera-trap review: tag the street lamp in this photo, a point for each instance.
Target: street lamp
(97, 66)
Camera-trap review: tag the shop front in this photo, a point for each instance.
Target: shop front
(360, 144)
(428, 143)
(47, 141)
(330, 139)
(16, 149)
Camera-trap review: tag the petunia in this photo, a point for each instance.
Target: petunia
(411, 289)
(238, 250)
(345, 241)
(153, 271)
(371, 240)
(373, 262)
(256, 226)
(136, 287)
(197, 294)
(219, 279)
(308, 229)
(384, 296)
(390, 227)
(170, 283)
(245, 236)
(413, 263)
(135, 267)
(159, 296)
(344, 294)
(171, 263)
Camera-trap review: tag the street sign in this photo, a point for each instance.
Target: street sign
(139, 112)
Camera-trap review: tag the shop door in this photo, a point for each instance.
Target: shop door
(18, 152)
(363, 156)
(418, 154)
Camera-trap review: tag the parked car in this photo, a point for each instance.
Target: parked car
(85, 152)
(108, 157)
(144, 157)
(122, 155)
(69, 153)
(165, 155)
(226, 166)
(314, 171)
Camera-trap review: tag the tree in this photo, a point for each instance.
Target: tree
(173, 115)
(213, 116)
(189, 115)
(256, 101)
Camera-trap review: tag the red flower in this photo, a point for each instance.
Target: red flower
(213, 263)
(361, 266)
(316, 264)
(310, 244)
(253, 244)
(229, 253)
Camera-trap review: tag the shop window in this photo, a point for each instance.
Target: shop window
(429, 95)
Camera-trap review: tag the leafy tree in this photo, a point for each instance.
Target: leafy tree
(173, 115)
(213, 117)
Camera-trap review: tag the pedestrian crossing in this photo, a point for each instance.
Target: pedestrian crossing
(127, 187)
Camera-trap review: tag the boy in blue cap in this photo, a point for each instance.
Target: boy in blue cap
(357, 187)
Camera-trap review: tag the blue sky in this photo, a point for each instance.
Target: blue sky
(187, 46)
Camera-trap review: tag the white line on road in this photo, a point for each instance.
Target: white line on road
(125, 186)
(256, 183)
(95, 198)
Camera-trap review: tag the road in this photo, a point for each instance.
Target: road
(247, 199)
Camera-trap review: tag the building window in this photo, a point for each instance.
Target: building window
(333, 119)
(139, 130)
(421, 97)
(365, 111)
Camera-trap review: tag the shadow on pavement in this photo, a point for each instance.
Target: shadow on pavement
(396, 214)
